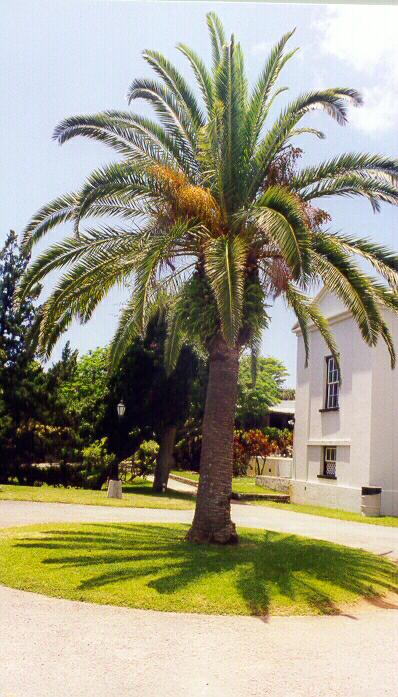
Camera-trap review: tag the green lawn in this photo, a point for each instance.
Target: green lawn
(240, 485)
(247, 485)
(151, 566)
(388, 520)
(138, 494)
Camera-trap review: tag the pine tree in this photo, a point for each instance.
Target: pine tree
(21, 378)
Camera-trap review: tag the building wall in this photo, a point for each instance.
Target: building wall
(384, 422)
(366, 409)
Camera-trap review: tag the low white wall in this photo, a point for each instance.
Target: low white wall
(326, 494)
(274, 466)
(275, 483)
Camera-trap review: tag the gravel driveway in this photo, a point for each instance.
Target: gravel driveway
(374, 538)
(59, 648)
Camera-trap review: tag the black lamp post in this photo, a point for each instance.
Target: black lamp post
(120, 408)
(114, 484)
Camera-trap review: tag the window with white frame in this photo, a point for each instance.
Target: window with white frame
(332, 384)
(329, 461)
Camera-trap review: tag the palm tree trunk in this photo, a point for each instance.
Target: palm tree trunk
(164, 459)
(212, 521)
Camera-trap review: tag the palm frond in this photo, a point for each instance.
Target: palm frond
(224, 262)
(202, 75)
(58, 211)
(123, 180)
(347, 164)
(383, 260)
(231, 92)
(93, 244)
(177, 85)
(280, 216)
(344, 279)
(331, 101)
(259, 104)
(217, 37)
(155, 250)
(374, 189)
(173, 117)
(307, 311)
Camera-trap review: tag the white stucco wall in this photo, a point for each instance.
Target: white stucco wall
(384, 421)
(363, 429)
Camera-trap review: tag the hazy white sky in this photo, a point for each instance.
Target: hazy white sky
(71, 57)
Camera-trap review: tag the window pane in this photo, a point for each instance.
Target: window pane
(332, 384)
(330, 469)
(329, 464)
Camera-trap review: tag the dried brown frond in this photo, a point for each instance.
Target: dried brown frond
(277, 277)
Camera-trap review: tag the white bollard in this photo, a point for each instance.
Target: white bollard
(114, 489)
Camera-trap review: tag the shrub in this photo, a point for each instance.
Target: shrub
(187, 450)
(144, 459)
(54, 474)
(89, 474)
(96, 464)
(253, 443)
(249, 444)
(282, 440)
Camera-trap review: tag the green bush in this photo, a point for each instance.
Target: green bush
(187, 450)
(281, 439)
(144, 458)
(54, 474)
(91, 473)
(96, 464)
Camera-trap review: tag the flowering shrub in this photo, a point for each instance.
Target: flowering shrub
(253, 443)
(249, 444)
(282, 440)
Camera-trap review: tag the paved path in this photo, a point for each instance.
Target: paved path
(59, 648)
(374, 538)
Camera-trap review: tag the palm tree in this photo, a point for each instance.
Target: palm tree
(215, 218)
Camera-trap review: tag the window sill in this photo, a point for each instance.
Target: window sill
(326, 476)
(329, 409)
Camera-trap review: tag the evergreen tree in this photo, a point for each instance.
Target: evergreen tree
(157, 404)
(21, 378)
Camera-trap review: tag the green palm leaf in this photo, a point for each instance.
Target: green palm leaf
(225, 261)
(307, 311)
(281, 217)
(217, 37)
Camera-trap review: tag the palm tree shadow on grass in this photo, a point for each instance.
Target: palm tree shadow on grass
(298, 570)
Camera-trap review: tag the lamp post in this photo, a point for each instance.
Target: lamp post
(114, 484)
(121, 408)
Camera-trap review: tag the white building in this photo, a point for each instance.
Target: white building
(282, 415)
(346, 436)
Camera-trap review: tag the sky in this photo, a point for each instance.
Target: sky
(61, 58)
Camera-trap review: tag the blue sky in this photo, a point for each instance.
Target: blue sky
(64, 58)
